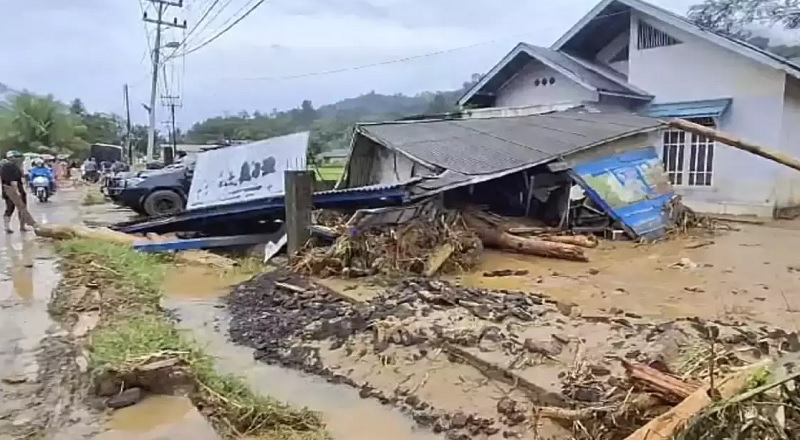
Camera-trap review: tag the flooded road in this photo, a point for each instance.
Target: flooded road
(347, 416)
(28, 275)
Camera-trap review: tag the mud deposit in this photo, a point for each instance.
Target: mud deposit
(470, 362)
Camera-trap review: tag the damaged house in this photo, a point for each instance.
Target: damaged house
(628, 55)
(587, 172)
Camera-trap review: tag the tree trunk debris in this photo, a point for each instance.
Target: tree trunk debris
(65, 232)
(669, 387)
(493, 235)
(733, 141)
(665, 425)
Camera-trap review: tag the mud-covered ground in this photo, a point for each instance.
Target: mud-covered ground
(41, 391)
(469, 356)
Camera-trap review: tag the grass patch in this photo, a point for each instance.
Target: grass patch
(135, 331)
(329, 172)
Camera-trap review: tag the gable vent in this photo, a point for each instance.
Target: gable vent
(650, 37)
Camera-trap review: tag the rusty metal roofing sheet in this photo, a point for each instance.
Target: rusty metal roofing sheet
(491, 145)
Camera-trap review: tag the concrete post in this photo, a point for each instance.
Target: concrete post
(299, 186)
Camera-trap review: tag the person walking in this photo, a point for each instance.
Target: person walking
(11, 177)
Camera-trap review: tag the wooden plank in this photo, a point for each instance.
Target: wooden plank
(200, 243)
(665, 425)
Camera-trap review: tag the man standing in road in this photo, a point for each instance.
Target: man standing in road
(11, 177)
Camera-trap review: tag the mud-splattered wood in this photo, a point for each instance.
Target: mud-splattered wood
(537, 394)
(667, 424)
(496, 237)
(666, 385)
(586, 241)
(65, 232)
(733, 141)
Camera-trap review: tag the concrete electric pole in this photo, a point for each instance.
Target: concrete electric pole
(161, 7)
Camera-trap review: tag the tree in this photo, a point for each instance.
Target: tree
(439, 105)
(31, 122)
(77, 108)
(733, 16)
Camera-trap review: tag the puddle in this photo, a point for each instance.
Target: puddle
(158, 417)
(347, 416)
(197, 282)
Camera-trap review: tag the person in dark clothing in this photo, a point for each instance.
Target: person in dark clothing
(11, 175)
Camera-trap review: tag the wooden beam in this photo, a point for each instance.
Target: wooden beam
(733, 141)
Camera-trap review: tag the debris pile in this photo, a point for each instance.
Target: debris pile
(424, 245)
(596, 377)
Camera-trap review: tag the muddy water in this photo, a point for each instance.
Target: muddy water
(195, 282)
(156, 418)
(348, 417)
(747, 275)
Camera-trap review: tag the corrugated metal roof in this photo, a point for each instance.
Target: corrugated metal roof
(491, 145)
(710, 108)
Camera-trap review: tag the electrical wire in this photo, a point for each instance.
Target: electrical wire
(383, 63)
(211, 20)
(225, 29)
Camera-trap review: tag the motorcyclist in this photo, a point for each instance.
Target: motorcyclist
(39, 168)
(12, 176)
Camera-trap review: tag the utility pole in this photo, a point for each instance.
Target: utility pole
(128, 143)
(172, 102)
(161, 7)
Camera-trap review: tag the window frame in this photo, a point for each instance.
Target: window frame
(687, 148)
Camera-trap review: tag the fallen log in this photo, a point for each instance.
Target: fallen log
(586, 241)
(492, 237)
(536, 393)
(667, 424)
(733, 141)
(671, 388)
(66, 232)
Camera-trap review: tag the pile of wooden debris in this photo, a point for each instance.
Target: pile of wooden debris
(424, 245)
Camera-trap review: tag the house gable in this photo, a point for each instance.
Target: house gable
(525, 62)
(607, 19)
(539, 84)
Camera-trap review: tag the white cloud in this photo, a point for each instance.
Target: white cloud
(89, 48)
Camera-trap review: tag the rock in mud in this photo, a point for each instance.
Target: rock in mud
(129, 397)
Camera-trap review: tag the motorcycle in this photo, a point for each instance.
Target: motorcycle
(41, 188)
(92, 176)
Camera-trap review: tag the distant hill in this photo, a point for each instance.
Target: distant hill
(6, 93)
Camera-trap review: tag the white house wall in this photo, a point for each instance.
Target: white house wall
(699, 70)
(788, 183)
(521, 90)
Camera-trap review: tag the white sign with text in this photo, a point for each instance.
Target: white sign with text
(246, 172)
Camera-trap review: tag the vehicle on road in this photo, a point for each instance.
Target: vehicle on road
(153, 192)
(41, 188)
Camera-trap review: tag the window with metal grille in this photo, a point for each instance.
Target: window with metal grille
(688, 158)
(650, 37)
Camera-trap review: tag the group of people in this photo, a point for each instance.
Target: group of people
(13, 179)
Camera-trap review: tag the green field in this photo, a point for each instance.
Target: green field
(329, 172)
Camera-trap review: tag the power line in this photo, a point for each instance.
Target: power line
(384, 63)
(225, 30)
(212, 19)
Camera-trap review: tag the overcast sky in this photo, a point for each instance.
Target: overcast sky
(90, 48)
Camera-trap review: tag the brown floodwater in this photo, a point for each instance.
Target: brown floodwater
(156, 418)
(198, 282)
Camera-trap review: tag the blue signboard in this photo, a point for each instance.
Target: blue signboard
(632, 188)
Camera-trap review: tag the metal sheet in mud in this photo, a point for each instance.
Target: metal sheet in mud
(632, 188)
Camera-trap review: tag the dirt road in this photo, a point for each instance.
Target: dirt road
(41, 371)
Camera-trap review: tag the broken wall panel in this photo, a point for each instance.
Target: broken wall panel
(632, 188)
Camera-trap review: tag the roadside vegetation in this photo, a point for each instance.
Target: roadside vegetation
(134, 331)
(93, 197)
